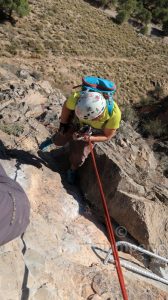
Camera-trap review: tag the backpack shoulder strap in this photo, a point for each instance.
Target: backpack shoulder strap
(110, 107)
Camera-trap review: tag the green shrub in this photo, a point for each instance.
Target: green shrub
(104, 3)
(154, 128)
(144, 30)
(144, 16)
(128, 5)
(158, 92)
(146, 101)
(12, 48)
(21, 7)
(12, 129)
(160, 15)
(122, 16)
(165, 27)
(145, 11)
(128, 114)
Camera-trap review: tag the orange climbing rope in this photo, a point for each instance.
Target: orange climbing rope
(110, 229)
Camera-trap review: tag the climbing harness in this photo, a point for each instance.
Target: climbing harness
(84, 130)
(135, 269)
(110, 229)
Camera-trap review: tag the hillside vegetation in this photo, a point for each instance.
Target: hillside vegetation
(142, 10)
(66, 39)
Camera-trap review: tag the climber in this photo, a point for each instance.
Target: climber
(14, 209)
(81, 109)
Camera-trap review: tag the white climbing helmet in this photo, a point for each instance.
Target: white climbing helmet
(90, 105)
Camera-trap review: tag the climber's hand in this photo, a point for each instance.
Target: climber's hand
(81, 137)
(76, 136)
(86, 138)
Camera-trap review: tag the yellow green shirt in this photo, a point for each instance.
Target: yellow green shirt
(106, 121)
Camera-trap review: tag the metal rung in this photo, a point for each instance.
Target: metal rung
(135, 269)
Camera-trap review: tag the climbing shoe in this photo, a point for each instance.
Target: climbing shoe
(45, 144)
(71, 176)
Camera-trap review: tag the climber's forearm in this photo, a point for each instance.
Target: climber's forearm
(65, 114)
(108, 134)
(98, 138)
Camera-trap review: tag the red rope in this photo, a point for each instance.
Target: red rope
(110, 229)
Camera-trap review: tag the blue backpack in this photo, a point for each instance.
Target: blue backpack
(97, 84)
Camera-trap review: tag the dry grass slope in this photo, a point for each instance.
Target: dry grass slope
(67, 39)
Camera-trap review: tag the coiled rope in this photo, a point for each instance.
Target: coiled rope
(109, 228)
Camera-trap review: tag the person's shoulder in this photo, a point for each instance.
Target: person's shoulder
(116, 111)
(116, 107)
(72, 99)
(74, 96)
(115, 118)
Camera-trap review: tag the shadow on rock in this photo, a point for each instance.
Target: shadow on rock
(58, 161)
(21, 156)
(4, 17)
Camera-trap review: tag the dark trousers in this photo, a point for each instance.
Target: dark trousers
(79, 150)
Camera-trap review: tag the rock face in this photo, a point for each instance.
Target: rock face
(55, 258)
(135, 187)
(60, 255)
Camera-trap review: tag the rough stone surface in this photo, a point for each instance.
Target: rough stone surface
(60, 255)
(135, 188)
